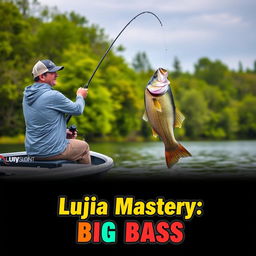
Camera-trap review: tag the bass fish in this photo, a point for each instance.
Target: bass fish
(163, 116)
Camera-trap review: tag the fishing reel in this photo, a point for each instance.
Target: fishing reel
(72, 129)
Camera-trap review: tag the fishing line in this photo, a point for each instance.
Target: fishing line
(103, 57)
(165, 51)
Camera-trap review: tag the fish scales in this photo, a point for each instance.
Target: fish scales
(162, 122)
(161, 113)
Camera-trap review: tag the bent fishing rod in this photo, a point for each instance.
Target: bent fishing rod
(109, 48)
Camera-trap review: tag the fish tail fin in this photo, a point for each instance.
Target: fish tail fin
(173, 156)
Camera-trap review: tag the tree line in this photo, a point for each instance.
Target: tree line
(218, 103)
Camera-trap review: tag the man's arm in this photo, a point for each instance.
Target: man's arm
(65, 105)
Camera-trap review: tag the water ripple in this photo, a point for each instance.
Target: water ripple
(208, 159)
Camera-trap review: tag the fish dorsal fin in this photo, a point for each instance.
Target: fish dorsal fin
(157, 105)
(145, 116)
(154, 133)
(179, 119)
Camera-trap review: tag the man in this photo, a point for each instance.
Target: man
(44, 111)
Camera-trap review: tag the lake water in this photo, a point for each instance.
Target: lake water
(217, 159)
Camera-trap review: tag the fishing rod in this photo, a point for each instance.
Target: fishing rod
(103, 57)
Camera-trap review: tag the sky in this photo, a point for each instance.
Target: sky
(218, 29)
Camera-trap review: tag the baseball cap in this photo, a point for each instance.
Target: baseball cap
(43, 66)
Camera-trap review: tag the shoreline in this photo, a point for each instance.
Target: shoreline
(20, 139)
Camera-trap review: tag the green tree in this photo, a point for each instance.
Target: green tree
(127, 95)
(54, 37)
(240, 67)
(194, 107)
(177, 68)
(141, 62)
(23, 6)
(215, 97)
(244, 84)
(230, 121)
(212, 72)
(98, 115)
(217, 103)
(15, 56)
(247, 117)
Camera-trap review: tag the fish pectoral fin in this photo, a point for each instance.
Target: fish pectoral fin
(157, 105)
(145, 116)
(154, 133)
(179, 119)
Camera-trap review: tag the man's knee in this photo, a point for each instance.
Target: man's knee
(85, 146)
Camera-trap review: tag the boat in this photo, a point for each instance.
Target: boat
(20, 166)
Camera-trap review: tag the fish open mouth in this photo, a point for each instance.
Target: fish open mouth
(162, 70)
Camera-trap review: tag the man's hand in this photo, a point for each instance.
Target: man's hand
(82, 92)
(70, 135)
